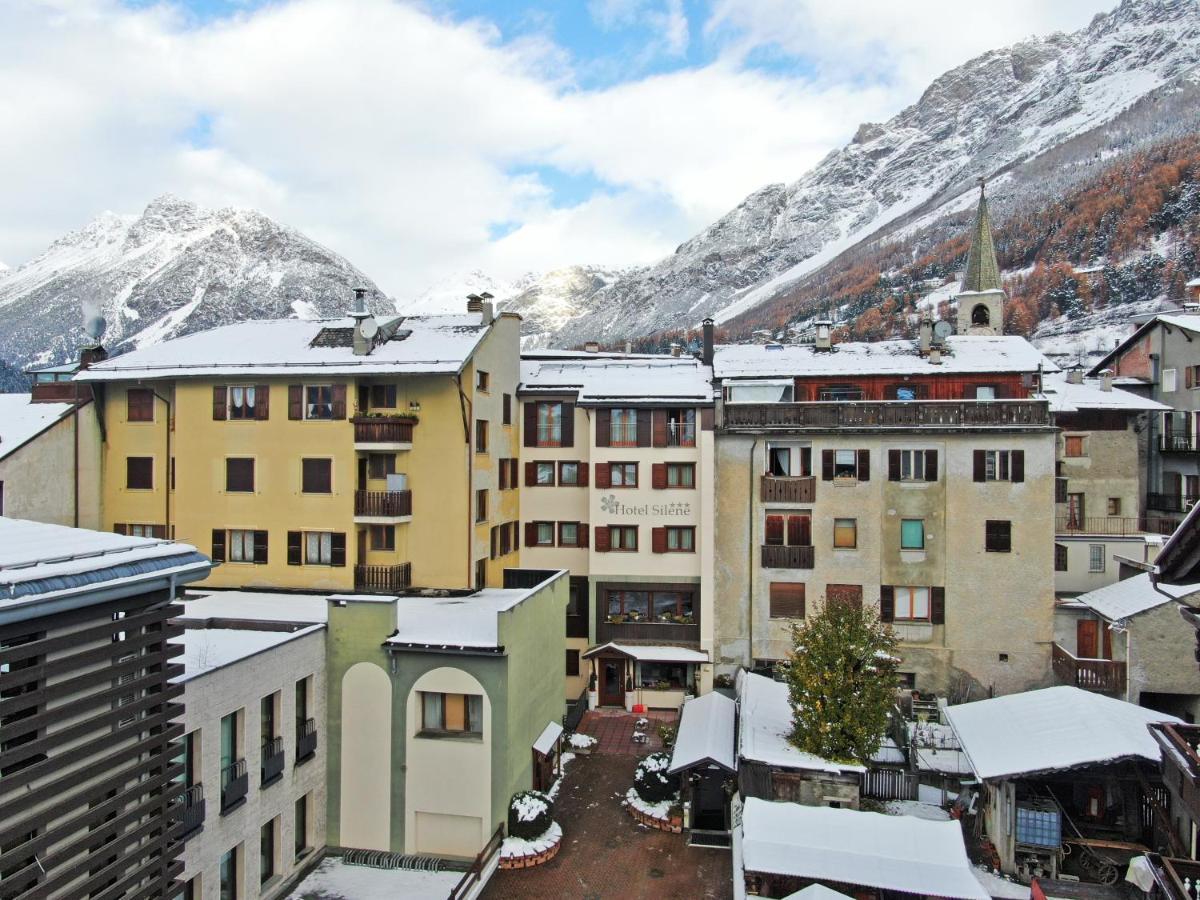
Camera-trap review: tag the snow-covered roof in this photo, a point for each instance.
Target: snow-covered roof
(846, 846)
(705, 733)
(208, 649)
(816, 892)
(1050, 730)
(22, 421)
(547, 739)
(39, 561)
(1132, 596)
(283, 347)
(470, 621)
(255, 606)
(651, 652)
(766, 722)
(963, 354)
(334, 879)
(598, 380)
(1186, 322)
(1067, 397)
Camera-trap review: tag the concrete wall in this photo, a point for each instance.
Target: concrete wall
(37, 477)
(1108, 470)
(1079, 577)
(1160, 649)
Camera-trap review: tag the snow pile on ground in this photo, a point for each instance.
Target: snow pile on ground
(928, 811)
(515, 846)
(562, 764)
(581, 741)
(660, 810)
(1000, 887)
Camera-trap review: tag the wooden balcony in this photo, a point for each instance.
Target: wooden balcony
(647, 632)
(952, 415)
(1103, 676)
(382, 579)
(383, 432)
(383, 504)
(780, 556)
(1176, 879)
(1181, 761)
(1117, 526)
(787, 489)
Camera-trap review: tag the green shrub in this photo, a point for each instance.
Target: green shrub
(652, 781)
(530, 814)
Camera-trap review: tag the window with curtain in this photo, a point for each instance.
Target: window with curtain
(912, 604)
(318, 548)
(623, 428)
(845, 533)
(451, 713)
(549, 424)
(241, 401)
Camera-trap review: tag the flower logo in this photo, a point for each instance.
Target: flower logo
(609, 504)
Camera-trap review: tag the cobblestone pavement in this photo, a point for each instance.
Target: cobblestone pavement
(615, 730)
(606, 854)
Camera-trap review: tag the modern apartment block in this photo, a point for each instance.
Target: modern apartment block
(617, 468)
(307, 454)
(88, 708)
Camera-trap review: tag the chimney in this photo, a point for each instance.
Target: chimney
(365, 327)
(592, 347)
(474, 303)
(486, 312)
(824, 334)
(91, 355)
(1075, 375)
(707, 357)
(925, 334)
(935, 356)
(360, 301)
(1106, 380)
(628, 347)
(676, 348)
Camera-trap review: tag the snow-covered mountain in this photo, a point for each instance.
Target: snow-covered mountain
(1026, 117)
(175, 269)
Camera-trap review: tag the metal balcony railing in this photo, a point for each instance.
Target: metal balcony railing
(681, 434)
(1170, 502)
(1104, 676)
(1178, 443)
(781, 556)
(1120, 526)
(306, 740)
(235, 783)
(272, 760)
(389, 504)
(788, 489)
(191, 810)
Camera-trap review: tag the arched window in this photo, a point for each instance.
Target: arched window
(980, 315)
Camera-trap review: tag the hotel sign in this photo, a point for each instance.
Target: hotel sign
(610, 505)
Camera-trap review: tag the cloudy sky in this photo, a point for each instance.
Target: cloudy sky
(426, 139)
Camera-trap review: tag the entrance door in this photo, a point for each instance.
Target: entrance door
(709, 802)
(612, 681)
(1086, 635)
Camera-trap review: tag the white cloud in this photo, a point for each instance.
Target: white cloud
(392, 133)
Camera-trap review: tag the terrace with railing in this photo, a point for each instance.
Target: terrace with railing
(782, 556)
(1118, 526)
(1178, 443)
(190, 811)
(882, 415)
(787, 489)
(383, 429)
(1103, 676)
(272, 761)
(383, 504)
(1175, 879)
(383, 579)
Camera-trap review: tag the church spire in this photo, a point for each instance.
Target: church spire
(983, 273)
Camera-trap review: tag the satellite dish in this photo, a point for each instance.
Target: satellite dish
(370, 327)
(942, 330)
(95, 327)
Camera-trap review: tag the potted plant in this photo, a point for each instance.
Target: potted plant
(593, 695)
(662, 685)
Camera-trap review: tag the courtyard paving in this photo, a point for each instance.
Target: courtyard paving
(605, 853)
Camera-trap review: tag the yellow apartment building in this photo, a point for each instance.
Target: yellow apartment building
(341, 454)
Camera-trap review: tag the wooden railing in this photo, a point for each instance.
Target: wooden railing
(779, 556)
(1123, 526)
(474, 875)
(1104, 676)
(788, 489)
(1181, 761)
(889, 414)
(1177, 879)
(653, 632)
(383, 503)
(382, 430)
(382, 579)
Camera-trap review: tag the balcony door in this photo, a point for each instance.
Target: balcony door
(612, 681)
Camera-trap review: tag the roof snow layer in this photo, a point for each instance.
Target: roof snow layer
(631, 379)
(22, 421)
(765, 724)
(705, 733)
(1051, 730)
(1132, 596)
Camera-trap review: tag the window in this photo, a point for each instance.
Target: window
(912, 604)
(1114, 506)
(997, 536)
(568, 534)
(451, 713)
(318, 401)
(663, 676)
(568, 474)
(1191, 377)
(301, 691)
(787, 600)
(383, 537)
(623, 430)
(572, 662)
(1075, 510)
(506, 416)
(788, 530)
(481, 505)
(543, 534)
(999, 465)
(229, 875)
(622, 537)
(661, 606)
(139, 405)
(787, 460)
(300, 832)
(985, 392)
(681, 539)
(241, 401)
(1060, 558)
(681, 475)
(912, 465)
(383, 396)
(1168, 381)
(549, 424)
(316, 476)
(840, 392)
(845, 464)
(480, 574)
(681, 427)
(381, 465)
(139, 473)
(243, 545)
(545, 474)
(845, 533)
(1074, 445)
(912, 534)
(318, 548)
(230, 747)
(623, 475)
(149, 531)
(481, 436)
(1095, 557)
(266, 853)
(239, 475)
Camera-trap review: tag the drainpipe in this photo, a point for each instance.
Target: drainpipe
(1154, 473)
(75, 435)
(167, 465)
(464, 403)
(750, 553)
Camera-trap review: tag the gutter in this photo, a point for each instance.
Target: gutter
(464, 403)
(750, 553)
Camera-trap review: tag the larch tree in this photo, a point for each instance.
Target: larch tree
(841, 677)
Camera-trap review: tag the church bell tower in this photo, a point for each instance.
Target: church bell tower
(981, 300)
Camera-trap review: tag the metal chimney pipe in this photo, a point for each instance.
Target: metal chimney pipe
(707, 353)
(360, 300)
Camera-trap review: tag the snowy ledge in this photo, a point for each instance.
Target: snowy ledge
(522, 853)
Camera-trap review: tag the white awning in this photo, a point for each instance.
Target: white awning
(705, 733)
(846, 846)
(650, 652)
(548, 738)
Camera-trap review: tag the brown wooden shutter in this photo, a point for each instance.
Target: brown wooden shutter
(530, 534)
(294, 539)
(658, 540)
(937, 605)
(786, 600)
(494, 535)
(337, 548)
(296, 402)
(1016, 465)
(158, 531)
(658, 476)
(262, 402)
(260, 547)
(707, 418)
(644, 427)
(660, 427)
(603, 428)
(864, 465)
(931, 465)
(887, 603)
(602, 539)
(583, 469)
(339, 401)
(530, 474)
(806, 461)
(120, 528)
(220, 392)
(981, 465)
(567, 429)
(1188, 376)
(893, 465)
(218, 545)
(603, 475)
(582, 530)
(530, 427)
(799, 531)
(507, 410)
(516, 535)
(827, 465)
(774, 530)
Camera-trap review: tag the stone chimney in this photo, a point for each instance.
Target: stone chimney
(935, 356)
(474, 303)
(1075, 375)
(824, 329)
(1106, 380)
(90, 355)
(925, 334)
(707, 353)
(592, 347)
(628, 347)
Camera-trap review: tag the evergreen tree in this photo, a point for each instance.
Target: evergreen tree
(841, 677)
